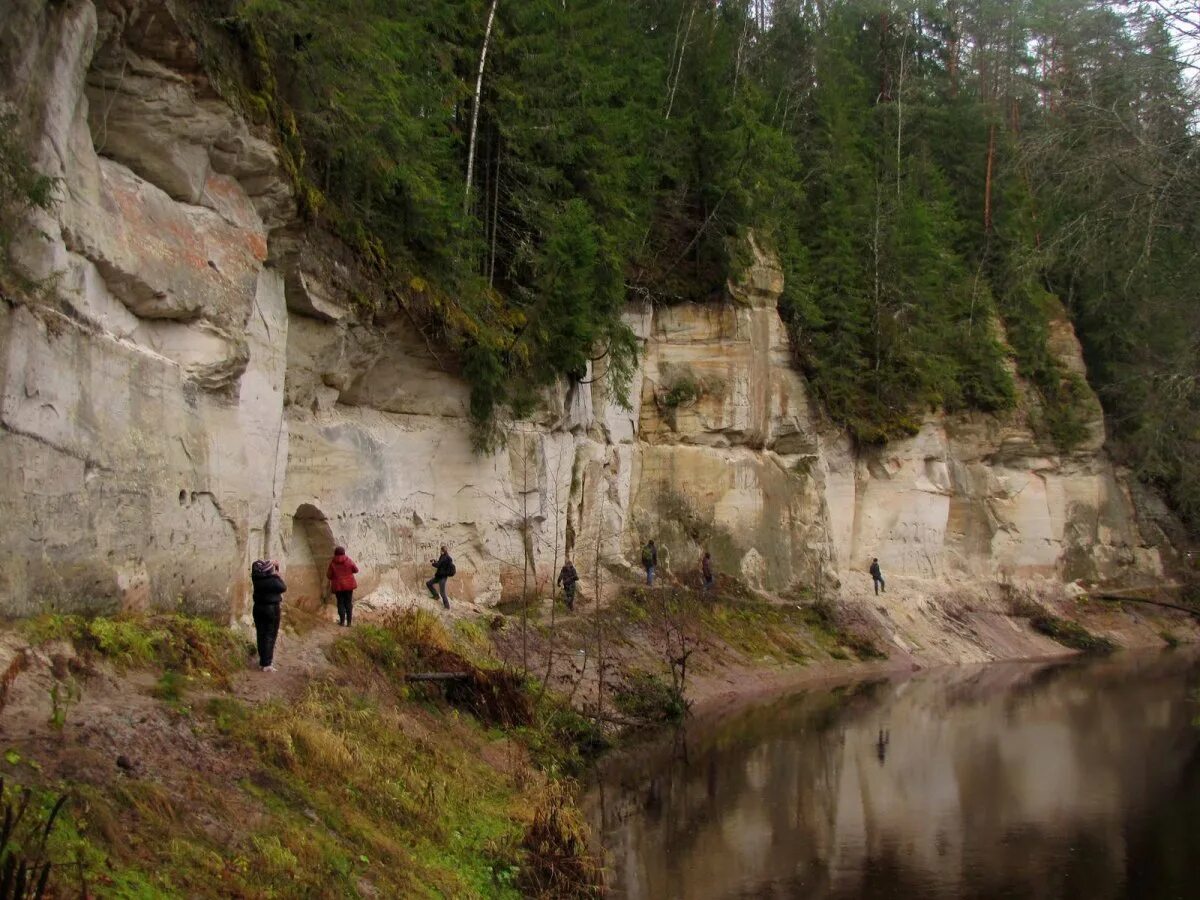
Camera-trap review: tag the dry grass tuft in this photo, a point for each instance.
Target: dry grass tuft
(557, 861)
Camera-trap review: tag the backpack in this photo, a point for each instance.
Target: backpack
(450, 570)
(647, 556)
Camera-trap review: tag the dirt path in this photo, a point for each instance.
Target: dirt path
(300, 656)
(302, 650)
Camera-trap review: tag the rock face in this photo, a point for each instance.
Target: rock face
(206, 389)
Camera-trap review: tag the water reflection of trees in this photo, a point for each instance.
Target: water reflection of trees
(1014, 780)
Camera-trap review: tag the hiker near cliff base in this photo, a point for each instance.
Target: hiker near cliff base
(341, 573)
(650, 562)
(568, 578)
(269, 589)
(443, 568)
(706, 571)
(877, 576)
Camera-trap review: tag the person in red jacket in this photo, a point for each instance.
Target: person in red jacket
(341, 581)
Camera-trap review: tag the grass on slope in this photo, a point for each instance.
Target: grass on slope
(359, 786)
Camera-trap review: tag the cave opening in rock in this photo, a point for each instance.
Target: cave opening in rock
(310, 551)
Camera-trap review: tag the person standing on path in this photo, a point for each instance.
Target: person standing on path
(877, 576)
(269, 589)
(341, 574)
(706, 572)
(568, 578)
(443, 568)
(650, 562)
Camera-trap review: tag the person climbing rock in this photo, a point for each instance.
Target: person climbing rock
(568, 578)
(341, 573)
(877, 575)
(650, 562)
(707, 579)
(443, 568)
(269, 589)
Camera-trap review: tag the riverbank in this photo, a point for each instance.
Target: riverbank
(188, 773)
(738, 645)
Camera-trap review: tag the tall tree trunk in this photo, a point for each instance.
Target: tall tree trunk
(885, 86)
(673, 82)
(877, 284)
(597, 620)
(987, 182)
(495, 219)
(741, 49)
(487, 37)
(558, 524)
(900, 108)
(526, 553)
(953, 45)
(1025, 179)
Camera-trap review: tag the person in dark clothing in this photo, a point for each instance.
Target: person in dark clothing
(443, 568)
(876, 576)
(341, 573)
(650, 562)
(568, 578)
(706, 571)
(269, 589)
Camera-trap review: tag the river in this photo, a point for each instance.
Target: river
(1076, 779)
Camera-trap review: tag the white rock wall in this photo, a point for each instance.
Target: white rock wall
(201, 389)
(141, 409)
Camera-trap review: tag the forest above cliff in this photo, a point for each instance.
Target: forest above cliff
(941, 182)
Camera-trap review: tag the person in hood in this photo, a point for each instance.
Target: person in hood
(443, 568)
(269, 589)
(341, 573)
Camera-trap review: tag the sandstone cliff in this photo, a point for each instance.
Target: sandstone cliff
(202, 388)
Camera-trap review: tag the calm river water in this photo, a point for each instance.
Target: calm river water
(1062, 780)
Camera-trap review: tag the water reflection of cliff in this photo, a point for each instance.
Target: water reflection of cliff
(1010, 780)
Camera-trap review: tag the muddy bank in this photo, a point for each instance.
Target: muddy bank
(725, 650)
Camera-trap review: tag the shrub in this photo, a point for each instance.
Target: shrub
(824, 619)
(557, 861)
(24, 867)
(648, 698)
(1071, 634)
(180, 643)
(22, 187)
(684, 391)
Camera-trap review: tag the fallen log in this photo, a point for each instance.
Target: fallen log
(613, 720)
(1122, 598)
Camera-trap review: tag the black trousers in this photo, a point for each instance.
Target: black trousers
(440, 582)
(345, 602)
(266, 629)
(878, 585)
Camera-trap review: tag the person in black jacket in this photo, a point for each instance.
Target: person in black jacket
(269, 589)
(650, 562)
(568, 578)
(876, 575)
(443, 568)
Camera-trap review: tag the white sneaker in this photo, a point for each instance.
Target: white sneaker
(268, 668)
